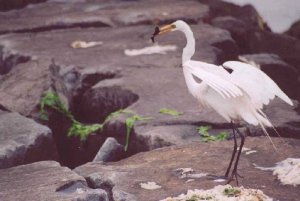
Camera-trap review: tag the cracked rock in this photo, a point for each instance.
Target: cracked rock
(46, 180)
(158, 166)
(111, 150)
(22, 141)
(39, 17)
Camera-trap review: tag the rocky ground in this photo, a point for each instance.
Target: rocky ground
(36, 54)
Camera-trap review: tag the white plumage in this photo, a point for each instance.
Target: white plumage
(237, 95)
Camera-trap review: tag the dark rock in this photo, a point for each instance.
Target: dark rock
(72, 150)
(37, 18)
(160, 166)
(24, 141)
(286, 76)
(16, 4)
(246, 13)
(46, 180)
(238, 29)
(95, 104)
(111, 150)
(8, 61)
(284, 46)
(283, 117)
(294, 31)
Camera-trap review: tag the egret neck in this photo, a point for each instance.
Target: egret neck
(188, 52)
(189, 49)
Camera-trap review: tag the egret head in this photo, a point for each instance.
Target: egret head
(177, 25)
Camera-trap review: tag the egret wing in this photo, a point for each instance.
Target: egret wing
(259, 86)
(215, 77)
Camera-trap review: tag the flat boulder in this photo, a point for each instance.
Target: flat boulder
(170, 171)
(46, 180)
(48, 15)
(24, 141)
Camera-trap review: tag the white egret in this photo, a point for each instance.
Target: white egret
(235, 90)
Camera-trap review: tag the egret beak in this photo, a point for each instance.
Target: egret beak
(162, 30)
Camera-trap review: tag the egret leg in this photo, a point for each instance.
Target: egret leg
(233, 152)
(234, 171)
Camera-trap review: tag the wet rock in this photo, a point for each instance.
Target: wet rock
(111, 150)
(39, 17)
(285, 75)
(46, 180)
(286, 47)
(294, 31)
(24, 141)
(160, 166)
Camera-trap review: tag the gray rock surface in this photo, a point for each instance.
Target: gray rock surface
(16, 4)
(111, 150)
(46, 180)
(36, 54)
(212, 44)
(49, 15)
(160, 166)
(154, 79)
(22, 140)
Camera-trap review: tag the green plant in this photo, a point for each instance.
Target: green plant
(51, 99)
(170, 112)
(232, 192)
(129, 125)
(206, 137)
(129, 122)
(83, 131)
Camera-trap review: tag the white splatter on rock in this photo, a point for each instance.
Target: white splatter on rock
(83, 44)
(222, 193)
(287, 171)
(154, 49)
(150, 185)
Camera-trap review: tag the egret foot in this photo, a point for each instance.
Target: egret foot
(234, 173)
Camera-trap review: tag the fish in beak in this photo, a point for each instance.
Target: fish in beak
(162, 30)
